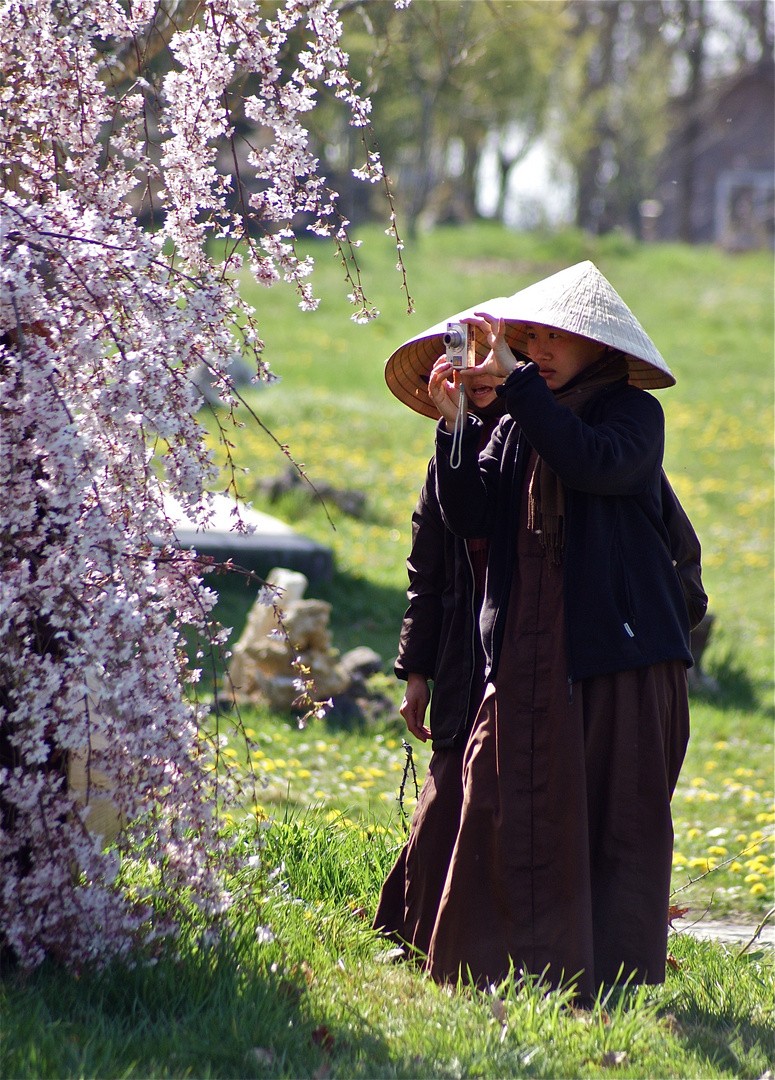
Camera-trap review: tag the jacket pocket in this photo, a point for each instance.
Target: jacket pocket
(622, 591)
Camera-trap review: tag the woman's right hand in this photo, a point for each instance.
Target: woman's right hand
(444, 394)
(415, 702)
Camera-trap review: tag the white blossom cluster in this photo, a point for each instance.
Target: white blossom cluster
(107, 107)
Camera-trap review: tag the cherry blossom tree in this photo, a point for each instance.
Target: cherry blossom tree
(121, 243)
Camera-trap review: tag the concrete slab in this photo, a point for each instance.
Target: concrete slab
(273, 543)
(729, 932)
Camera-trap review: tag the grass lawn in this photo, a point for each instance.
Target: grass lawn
(300, 987)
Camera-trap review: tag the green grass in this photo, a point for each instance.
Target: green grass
(300, 987)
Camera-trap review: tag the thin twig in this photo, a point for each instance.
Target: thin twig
(408, 764)
(758, 931)
(713, 869)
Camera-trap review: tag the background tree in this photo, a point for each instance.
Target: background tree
(613, 92)
(607, 82)
(442, 77)
(108, 110)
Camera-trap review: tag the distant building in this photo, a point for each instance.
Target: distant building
(717, 180)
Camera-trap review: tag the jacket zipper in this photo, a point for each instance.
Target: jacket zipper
(474, 630)
(565, 609)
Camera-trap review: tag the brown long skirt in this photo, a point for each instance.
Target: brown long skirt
(409, 901)
(563, 855)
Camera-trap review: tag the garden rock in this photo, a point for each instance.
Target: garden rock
(264, 668)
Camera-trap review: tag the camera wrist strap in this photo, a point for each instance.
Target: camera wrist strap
(456, 454)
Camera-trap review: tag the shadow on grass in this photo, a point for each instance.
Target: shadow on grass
(212, 1013)
(733, 1047)
(721, 1007)
(729, 686)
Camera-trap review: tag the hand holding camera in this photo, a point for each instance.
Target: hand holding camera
(459, 360)
(500, 361)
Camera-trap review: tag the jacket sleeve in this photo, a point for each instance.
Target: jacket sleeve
(467, 493)
(615, 456)
(685, 552)
(421, 629)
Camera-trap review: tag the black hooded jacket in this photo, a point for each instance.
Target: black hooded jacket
(440, 632)
(624, 602)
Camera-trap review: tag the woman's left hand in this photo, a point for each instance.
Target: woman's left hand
(500, 361)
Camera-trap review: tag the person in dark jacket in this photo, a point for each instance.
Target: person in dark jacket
(439, 644)
(562, 860)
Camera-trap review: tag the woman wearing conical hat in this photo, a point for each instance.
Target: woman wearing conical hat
(562, 861)
(439, 644)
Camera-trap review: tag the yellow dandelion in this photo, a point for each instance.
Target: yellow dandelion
(716, 849)
(758, 889)
(722, 744)
(348, 774)
(751, 877)
(735, 867)
(303, 774)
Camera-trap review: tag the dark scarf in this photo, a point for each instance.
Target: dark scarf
(546, 494)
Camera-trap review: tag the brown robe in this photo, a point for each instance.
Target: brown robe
(563, 856)
(409, 900)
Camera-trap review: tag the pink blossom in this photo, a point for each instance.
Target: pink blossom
(104, 325)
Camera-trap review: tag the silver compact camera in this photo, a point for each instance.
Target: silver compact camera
(459, 345)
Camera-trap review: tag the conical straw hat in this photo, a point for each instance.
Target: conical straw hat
(582, 301)
(578, 299)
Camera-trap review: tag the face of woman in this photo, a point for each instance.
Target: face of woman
(480, 388)
(560, 355)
